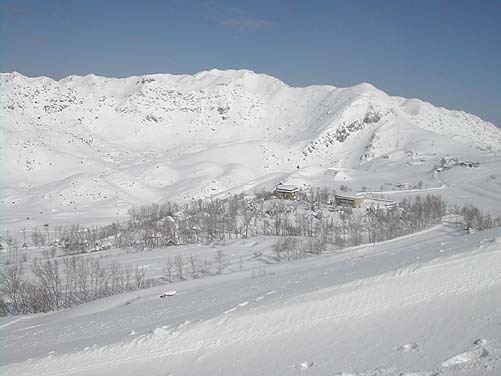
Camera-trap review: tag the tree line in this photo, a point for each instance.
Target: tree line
(304, 227)
(64, 282)
(312, 215)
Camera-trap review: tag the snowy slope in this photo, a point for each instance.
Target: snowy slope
(426, 304)
(92, 146)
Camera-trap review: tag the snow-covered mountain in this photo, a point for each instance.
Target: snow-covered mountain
(94, 144)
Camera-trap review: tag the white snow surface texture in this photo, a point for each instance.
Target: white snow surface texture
(426, 304)
(84, 149)
(93, 146)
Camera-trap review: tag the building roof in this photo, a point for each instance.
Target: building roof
(4, 246)
(286, 188)
(347, 197)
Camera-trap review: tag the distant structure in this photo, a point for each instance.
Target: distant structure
(403, 185)
(352, 201)
(287, 192)
(4, 246)
(469, 164)
(390, 204)
(454, 220)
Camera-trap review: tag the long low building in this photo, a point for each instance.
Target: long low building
(287, 192)
(352, 201)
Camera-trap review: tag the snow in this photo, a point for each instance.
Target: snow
(90, 147)
(85, 149)
(399, 307)
(168, 293)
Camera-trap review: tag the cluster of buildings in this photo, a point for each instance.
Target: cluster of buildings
(290, 192)
(449, 162)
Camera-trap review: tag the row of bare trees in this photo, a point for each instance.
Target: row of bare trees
(305, 226)
(53, 284)
(293, 248)
(206, 221)
(180, 268)
(64, 282)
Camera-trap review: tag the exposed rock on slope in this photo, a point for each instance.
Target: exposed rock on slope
(105, 143)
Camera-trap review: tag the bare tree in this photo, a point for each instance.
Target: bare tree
(140, 277)
(193, 262)
(179, 265)
(12, 286)
(37, 237)
(204, 267)
(48, 277)
(168, 269)
(221, 261)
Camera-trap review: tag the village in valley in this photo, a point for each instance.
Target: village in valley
(250, 188)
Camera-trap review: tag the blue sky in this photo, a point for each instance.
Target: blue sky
(445, 52)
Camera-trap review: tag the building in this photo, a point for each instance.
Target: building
(454, 220)
(353, 201)
(4, 246)
(469, 164)
(403, 185)
(288, 192)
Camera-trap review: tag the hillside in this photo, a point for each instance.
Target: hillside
(92, 146)
(422, 305)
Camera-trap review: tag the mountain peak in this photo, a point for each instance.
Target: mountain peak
(92, 141)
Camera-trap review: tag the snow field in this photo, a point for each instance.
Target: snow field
(93, 146)
(389, 309)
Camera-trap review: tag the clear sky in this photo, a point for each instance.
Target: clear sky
(445, 52)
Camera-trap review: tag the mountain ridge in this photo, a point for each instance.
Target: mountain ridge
(91, 141)
(218, 72)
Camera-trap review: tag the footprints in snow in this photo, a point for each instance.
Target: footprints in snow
(474, 354)
(469, 359)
